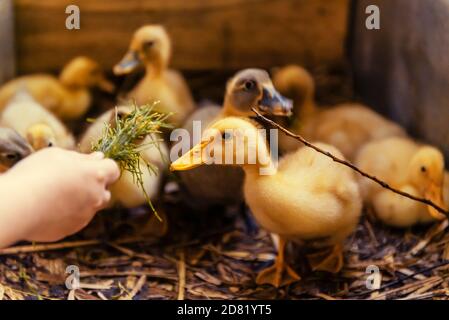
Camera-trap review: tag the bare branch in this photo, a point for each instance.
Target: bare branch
(350, 165)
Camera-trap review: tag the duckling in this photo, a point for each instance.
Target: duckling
(125, 191)
(67, 97)
(446, 188)
(347, 126)
(35, 123)
(408, 166)
(13, 148)
(151, 47)
(306, 198)
(223, 185)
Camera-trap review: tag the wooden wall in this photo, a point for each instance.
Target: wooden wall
(7, 64)
(210, 34)
(403, 68)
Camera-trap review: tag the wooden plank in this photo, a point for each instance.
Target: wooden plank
(209, 34)
(7, 65)
(403, 68)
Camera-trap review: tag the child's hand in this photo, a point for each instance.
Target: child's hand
(55, 193)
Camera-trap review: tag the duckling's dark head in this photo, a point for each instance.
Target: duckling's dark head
(150, 45)
(252, 88)
(13, 148)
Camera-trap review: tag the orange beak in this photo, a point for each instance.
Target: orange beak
(191, 159)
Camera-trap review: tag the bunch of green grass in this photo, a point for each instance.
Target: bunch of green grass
(120, 141)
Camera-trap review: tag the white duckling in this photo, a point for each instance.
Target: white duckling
(151, 47)
(35, 123)
(347, 126)
(125, 191)
(306, 198)
(408, 166)
(211, 185)
(68, 96)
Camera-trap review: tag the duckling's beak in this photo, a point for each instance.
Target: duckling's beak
(273, 103)
(128, 64)
(434, 193)
(191, 159)
(106, 85)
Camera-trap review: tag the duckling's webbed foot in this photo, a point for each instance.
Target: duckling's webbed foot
(279, 274)
(329, 260)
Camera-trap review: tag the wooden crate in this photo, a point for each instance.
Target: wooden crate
(213, 34)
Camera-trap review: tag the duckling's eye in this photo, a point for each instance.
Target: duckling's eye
(12, 156)
(148, 44)
(50, 144)
(226, 136)
(249, 85)
(423, 169)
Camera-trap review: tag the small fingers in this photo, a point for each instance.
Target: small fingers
(97, 155)
(104, 200)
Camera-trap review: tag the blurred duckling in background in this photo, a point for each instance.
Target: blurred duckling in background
(125, 191)
(307, 198)
(212, 185)
(13, 148)
(68, 96)
(36, 124)
(407, 166)
(446, 188)
(151, 47)
(346, 126)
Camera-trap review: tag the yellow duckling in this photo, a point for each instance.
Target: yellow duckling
(248, 88)
(346, 126)
(125, 191)
(13, 148)
(67, 97)
(36, 124)
(306, 198)
(407, 166)
(151, 47)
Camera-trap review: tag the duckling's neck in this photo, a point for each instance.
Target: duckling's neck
(265, 164)
(304, 104)
(229, 110)
(256, 171)
(307, 109)
(156, 68)
(75, 100)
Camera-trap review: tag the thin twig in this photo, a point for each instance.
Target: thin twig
(61, 245)
(181, 275)
(350, 165)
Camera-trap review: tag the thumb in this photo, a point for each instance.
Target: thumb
(107, 171)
